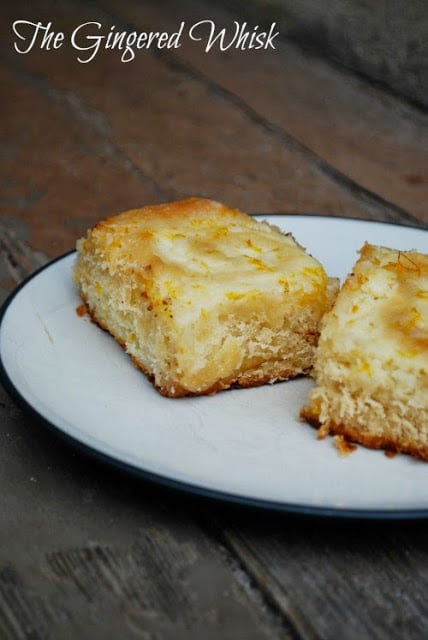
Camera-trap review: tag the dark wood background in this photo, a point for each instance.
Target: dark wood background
(86, 552)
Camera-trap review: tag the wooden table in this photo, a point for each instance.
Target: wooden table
(85, 551)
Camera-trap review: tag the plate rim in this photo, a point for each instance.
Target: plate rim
(188, 488)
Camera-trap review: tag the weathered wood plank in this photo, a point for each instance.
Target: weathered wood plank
(181, 133)
(386, 43)
(349, 580)
(377, 141)
(57, 175)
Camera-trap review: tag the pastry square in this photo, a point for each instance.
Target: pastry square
(202, 296)
(371, 368)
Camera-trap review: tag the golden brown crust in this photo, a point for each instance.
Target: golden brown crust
(364, 438)
(220, 385)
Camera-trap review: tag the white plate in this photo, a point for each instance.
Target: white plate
(244, 445)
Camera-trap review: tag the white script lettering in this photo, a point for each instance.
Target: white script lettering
(241, 37)
(48, 40)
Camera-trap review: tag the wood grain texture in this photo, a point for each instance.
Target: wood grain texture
(17, 259)
(141, 133)
(54, 178)
(372, 143)
(348, 580)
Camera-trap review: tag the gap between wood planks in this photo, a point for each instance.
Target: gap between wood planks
(263, 585)
(373, 204)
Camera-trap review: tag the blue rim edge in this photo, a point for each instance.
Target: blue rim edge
(187, 488)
